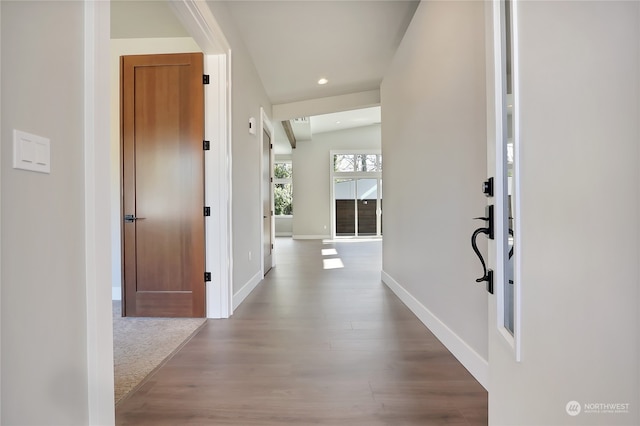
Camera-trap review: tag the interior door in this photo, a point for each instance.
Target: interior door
(267, 214)
(162, 107)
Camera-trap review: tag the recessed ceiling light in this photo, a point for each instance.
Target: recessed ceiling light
(323, 81)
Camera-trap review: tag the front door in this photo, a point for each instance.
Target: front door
(267, 211)
(162, 109)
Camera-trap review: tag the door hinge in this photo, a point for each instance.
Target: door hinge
(205, 79)
(207, 211)
(271, 179)
(272, 246)
(206, 145)
(207, 277)
(270, 146)
(271, 212)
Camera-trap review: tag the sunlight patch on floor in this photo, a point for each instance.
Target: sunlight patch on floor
(334, 263)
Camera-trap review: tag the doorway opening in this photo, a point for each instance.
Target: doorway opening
(356, 188)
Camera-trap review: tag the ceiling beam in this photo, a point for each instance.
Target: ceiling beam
(286, 124)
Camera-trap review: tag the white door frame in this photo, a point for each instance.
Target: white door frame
(200, 23)
(496, 149)
(97, 163)
(265, 124)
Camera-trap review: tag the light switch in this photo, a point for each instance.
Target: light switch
(31, 152)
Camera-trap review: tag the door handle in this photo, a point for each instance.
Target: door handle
(488, 231)
(131, 218)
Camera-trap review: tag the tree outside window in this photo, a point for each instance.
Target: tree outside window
(283, 189)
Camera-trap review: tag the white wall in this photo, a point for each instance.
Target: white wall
(44, 311)
(433, 114)
(248, 96)
(284, 226)
(311, 177)
(580, 135)
(121, 47)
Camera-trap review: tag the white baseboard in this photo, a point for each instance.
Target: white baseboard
(468, 357)
(311, 237)
(246, 289)
(116, 293)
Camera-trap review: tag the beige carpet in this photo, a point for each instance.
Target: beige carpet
(140, 345)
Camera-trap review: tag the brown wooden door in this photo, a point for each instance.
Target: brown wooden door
(267, 240)
(163, 185)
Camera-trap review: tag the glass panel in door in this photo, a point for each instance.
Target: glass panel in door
(367, 206)
(509, 154)
(345, 208)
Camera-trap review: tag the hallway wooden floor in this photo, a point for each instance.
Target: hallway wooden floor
(313, 346)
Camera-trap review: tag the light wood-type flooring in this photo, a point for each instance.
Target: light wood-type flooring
(315, 343)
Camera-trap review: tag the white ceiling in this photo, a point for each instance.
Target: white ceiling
(345, 120)
(294, 43)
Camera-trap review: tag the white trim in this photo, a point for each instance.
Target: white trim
(501, 207)
(312, 237)
(517, 241)
(501, 210)
(246, 289)
(265, 124)
(0, 234)
(97, 215)
(201, 25)
(218, 190)
(468, 357)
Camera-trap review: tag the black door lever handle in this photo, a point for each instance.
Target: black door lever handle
(487, 274)
(488, 218)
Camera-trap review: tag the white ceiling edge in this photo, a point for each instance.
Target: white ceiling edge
(325, 123)
(345, 120)
(302, 129)
(326, 105)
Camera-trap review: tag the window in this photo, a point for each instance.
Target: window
(283, 188)
(357, 194)
(357, 163)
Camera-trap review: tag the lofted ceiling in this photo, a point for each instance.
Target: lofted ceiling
(294, 43)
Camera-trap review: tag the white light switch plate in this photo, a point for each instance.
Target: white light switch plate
(31, 152)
